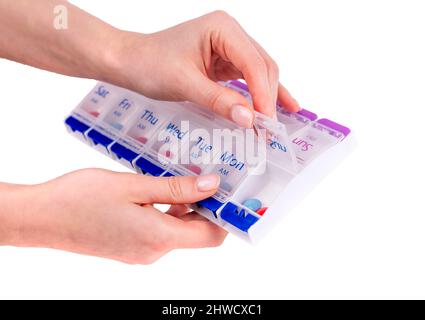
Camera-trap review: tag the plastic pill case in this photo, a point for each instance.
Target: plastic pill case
(264, 172)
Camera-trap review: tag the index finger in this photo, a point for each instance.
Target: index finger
(233, 45)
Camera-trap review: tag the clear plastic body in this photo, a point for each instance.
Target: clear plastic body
(174, 138)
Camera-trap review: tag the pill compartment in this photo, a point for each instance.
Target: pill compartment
(120, 112)
(278, 145)
(113, 121)
(295, 121)
(238, 156)
(316, 139)
(263, 185)
(100, 98)
(149, 117)
(86, 114)
(204, 144)
(166, 144)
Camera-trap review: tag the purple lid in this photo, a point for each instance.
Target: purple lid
(308, 114)
(239, 84)
(333, 125)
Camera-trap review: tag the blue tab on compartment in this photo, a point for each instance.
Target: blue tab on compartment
(211, 204)
(123, 153)
(99, 138)
(148, 167)
(76, 125)
(238, 217)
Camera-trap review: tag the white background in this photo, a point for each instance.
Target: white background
(359, 234)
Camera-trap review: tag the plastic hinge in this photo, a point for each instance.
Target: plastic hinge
(76, 125)
(123, 153)
(238, 217)
(99, 138)
(211, 204)
(148, 167)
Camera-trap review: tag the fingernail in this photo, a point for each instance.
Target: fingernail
(207, 183)
(242, 116)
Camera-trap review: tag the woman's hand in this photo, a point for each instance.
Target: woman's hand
(180, 63)
(184, 63)
(109, 214)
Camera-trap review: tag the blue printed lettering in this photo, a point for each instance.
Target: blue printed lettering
(125, 104)
(274, 144)
(203, 146)
(149, 117)
(231, 160)
(223, 172)
(175, 130)
(101, 91)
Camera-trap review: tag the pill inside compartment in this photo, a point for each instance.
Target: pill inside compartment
(260, 189)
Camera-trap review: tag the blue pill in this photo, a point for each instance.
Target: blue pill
(253, 204)
(117, 125)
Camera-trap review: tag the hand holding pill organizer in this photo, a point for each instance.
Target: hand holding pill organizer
(264, 172)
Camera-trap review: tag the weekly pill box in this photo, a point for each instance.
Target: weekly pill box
(276, 164)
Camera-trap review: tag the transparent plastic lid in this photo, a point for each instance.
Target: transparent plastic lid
(278, 145)
(315, 140)
(98, 101)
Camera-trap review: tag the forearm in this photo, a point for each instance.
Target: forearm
(28, 35)
(11, 210)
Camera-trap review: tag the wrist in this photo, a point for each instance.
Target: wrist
(123, 49)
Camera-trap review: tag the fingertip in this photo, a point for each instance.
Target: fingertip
(207, 183)
(242, 116)
(286, 100)
(293, 106)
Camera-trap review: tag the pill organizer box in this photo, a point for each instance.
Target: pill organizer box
(258, 187)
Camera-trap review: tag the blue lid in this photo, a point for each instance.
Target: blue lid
(148, 167)
(123, 153)
(211, 204)
(99, 138)
(238, 217)
(76, 125)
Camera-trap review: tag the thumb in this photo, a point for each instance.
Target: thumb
(223, 101)
(172, 190)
